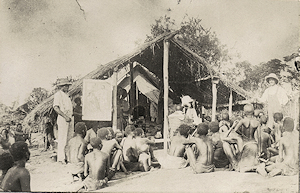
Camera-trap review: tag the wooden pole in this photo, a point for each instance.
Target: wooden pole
(132, 88)
(214, 101)
(230, 103)
(166, 93)
(115, 107)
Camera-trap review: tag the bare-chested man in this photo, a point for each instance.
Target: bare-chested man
(76, 150)
(287, 161)
(247, 126)
(220, 159)
(96, 165)
(232, 142)
(17, 178)
(175, 158)
(6, 162)
(130, 153)
(277, 127)
(91, 133)
(263, 138)
(143, 149)
(108, 144)
(204, 162)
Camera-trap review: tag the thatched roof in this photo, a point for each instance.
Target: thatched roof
(181, 78)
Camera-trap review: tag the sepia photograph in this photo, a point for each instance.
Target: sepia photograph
(149, 95)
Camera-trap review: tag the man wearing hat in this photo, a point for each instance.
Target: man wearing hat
(62, 104)
(274, 96)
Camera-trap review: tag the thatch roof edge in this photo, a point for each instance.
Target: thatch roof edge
(100, 71)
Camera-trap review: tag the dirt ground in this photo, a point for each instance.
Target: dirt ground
(48, 175)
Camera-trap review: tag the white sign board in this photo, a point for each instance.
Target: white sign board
(97, 100)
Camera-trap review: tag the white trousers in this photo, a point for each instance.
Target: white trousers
(65, 133)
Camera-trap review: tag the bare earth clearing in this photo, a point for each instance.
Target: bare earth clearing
(47, 175)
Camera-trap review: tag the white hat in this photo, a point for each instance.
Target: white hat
(185, 100)
(272, 75)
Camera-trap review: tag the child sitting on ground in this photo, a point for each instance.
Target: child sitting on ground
(17, 178)
(96, 165)
(175, 157)
(287, 160)
(91, 133)
(220, 159)
(108, 146)
(130, 153)
(204, 162)
(263, 138)
(77, 150)
(143, 149)
(277, 126)
(247, 126)
(120, 165)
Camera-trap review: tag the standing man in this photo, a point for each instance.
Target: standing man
(62, 104)
(274, 96)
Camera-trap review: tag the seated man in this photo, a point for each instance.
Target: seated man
(6, 162)
(231, 141)
(204, 162)
(120, 165)
(277, 127)
(220, 159)
(91, 133)
(130, 153)
(143, 149)
(247, 126)
(175, 158)
(263, 138)
(76, 150)
(96, 165)
(287, 161)
(108, 145)
(17, 178)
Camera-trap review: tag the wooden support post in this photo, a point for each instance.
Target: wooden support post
(230, 104)
(115, 107)
(214, 102)
(166, 93)
(132, 88)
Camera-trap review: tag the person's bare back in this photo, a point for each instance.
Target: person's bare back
(177, 148)
(204, 145)
(96, 164)
(17, 179)
(249, 126)
(77, 146)
(288, 148)
(204, 162)
(129, 145)
(109, 145)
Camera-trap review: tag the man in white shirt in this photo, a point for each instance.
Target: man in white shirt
(274, 96)
(62, 104)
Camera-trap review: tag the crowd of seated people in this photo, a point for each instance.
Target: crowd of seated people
(95, 155)
(244, 145)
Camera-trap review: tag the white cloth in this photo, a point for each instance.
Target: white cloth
(175, 120)
(279, 91)
(65, 129)
(192, 114)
